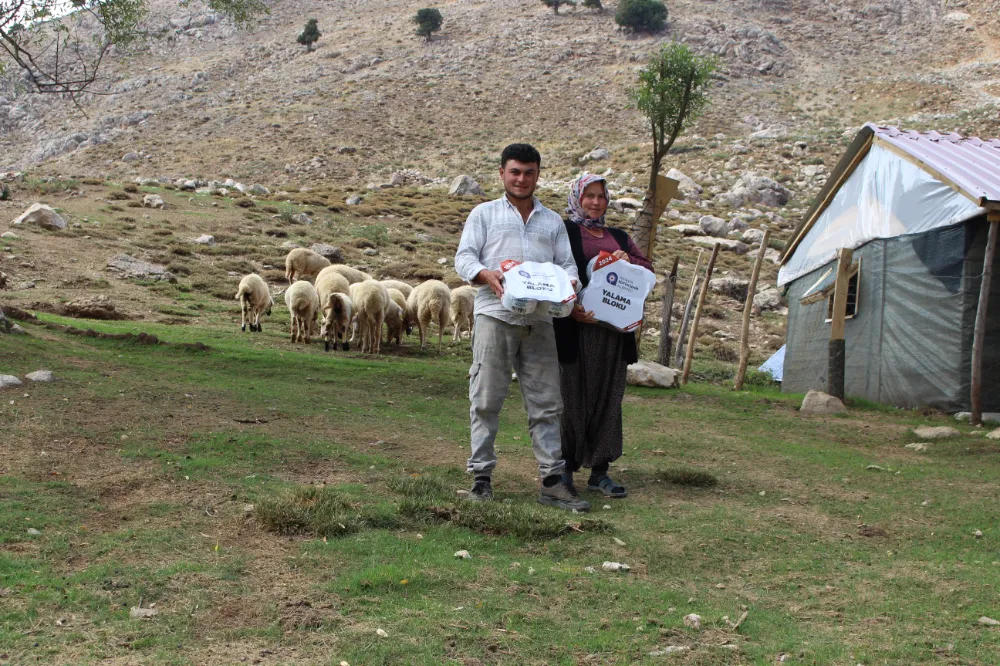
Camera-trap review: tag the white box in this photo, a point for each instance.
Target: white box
(531, 286)
(616, 291)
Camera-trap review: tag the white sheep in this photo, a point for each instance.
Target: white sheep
(337, 314)
(302, 263)
(370, 299)
(329, 282)
(255, 301)
(353, 275)
(429, 302)
(303, 305)
(395, 317)
(403, 288)
(463, 301)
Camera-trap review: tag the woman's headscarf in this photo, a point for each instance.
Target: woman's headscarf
(575, 208)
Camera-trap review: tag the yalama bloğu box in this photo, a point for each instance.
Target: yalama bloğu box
(616, 292)
(531, 286)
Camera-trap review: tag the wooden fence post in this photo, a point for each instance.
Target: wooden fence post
(751, 292)
(668, 306)
(979, 337)
(697, 315)
(679, 354)
(837, 358)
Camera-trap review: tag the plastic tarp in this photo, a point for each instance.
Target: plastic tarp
(886, 196)
(910, 344)
(775, 365)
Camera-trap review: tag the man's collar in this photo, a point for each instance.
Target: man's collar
(536, 203)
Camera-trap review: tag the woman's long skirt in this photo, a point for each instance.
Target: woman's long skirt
(592, 390)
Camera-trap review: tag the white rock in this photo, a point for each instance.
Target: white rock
(956, 17)
(618, 541)
(753, 236)
(463, 555)
(653, 375)
(41, 376)
(464, 184)
(935, 432)
(9, 381)
(692, 620)
(988, 621)
(142, 613)
(670, 649)
(725, 244)
(9, 235)
(687, 229)
(995, 434)
(818, 402)
(917, 446)
(153, 201)
(381, 633)
(627, 202)
(259, 190)
(33, 532)
(615, 566)
(988, 417)
(595, 155)
(442, 261)
(712, 226)
(353, 200)
(767, 299)
(978, 534)
(40, 215)
(686, 184)
(204, 239)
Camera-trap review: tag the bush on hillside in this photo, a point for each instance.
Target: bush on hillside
(641, 15)
(428, 22)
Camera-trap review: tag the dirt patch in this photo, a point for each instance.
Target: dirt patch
(89, 307)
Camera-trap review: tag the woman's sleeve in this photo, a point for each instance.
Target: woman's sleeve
(636, 255)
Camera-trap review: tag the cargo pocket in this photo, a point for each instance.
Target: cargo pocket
(474, 370)
(474, 380)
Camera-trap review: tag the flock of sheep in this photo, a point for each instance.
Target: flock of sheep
(353, 303)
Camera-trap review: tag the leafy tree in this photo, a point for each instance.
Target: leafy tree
(310, 34)
(61, 44)
(428, 22)
(641, 15)
(556, 4)
(672, 92)
(593, 4)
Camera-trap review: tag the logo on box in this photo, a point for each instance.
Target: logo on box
(524, 274)
(612, 278)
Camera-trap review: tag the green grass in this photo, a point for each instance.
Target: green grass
(280, 504)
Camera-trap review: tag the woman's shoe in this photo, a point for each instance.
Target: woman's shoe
(604, 485)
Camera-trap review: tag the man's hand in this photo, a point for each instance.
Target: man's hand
(492, 278)
(581, 315)
(622, 254)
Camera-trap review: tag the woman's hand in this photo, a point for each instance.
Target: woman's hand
(622, 254)
(581, 315)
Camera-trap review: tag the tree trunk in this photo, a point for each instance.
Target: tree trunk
(741, 372)
(642, 226)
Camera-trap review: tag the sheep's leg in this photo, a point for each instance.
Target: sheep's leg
(292, 326)
(378, 332)
(243, 315)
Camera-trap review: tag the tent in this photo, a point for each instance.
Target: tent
(917, 210)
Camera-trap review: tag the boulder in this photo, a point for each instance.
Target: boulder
(596, 155)
(41, 376)
(9, 381)
(686, 185)
(463, 185)
(653, 375)
(290, 245)
(302, 218)
(988, 417)
(628, 203)
(204, 239)
(817, 402)
(935, 432)
(756, 189)
(735, 288)
(353, 200)
(9, 235)
(333, 254)
(767, 299)
(772, 255)
(91, 307)
(259, 190)
(753, 236)
(727, 244)
(153, 201)
(993, 434)
(130, 267)
(40, 215)
(131, 157)
(687, 229)
(712, 226)
(737, 225)
(773, 132)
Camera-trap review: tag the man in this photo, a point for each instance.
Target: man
(516, 226)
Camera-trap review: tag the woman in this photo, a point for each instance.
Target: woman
(593, 357)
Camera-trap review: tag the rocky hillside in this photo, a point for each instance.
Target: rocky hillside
(364, 134)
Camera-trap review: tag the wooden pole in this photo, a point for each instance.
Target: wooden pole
(679, 354)
(751, 292)
(979, 338)
(668, 306)
(697, 315)
(838, 349)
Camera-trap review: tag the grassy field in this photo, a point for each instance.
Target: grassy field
(277, 505)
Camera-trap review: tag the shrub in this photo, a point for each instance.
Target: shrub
(556, 4)
(641, 15)
(593, 4)
(428, 22)
(310, 34)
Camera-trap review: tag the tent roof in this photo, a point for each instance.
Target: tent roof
(970, 166)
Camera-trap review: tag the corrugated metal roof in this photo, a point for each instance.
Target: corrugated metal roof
(971, 164)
